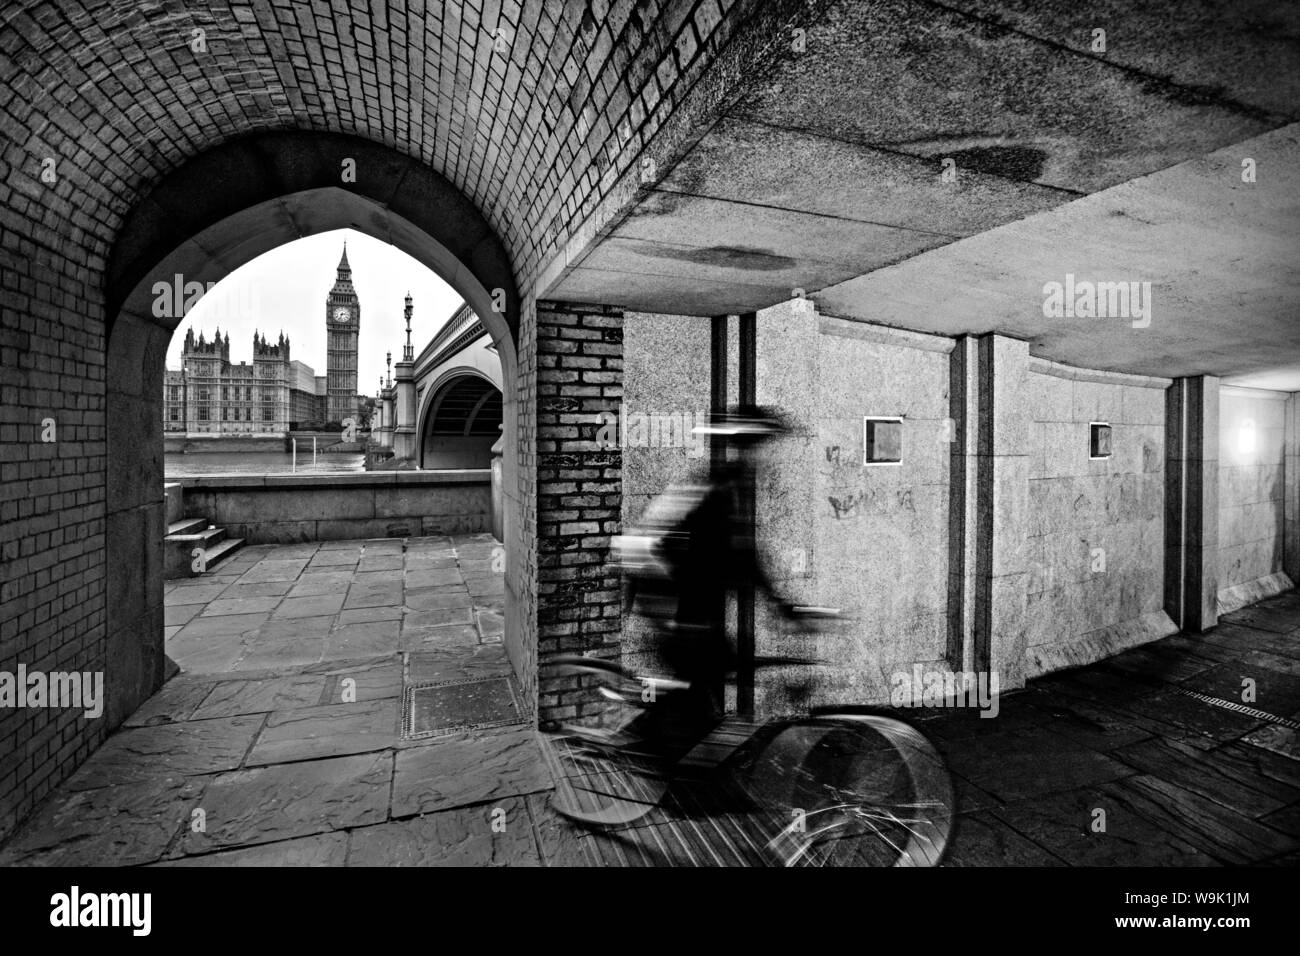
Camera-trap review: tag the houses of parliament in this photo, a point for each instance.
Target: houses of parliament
(211, 396)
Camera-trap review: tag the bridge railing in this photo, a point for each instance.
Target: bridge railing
(458, 323)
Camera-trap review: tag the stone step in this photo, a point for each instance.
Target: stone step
(195, 533)
(222, 551)
(204, 538)
(187, 526)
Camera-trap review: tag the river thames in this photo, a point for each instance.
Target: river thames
(260, 463)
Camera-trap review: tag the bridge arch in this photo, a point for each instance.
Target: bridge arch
(460, 419)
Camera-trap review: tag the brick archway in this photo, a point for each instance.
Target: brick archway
(203, 222)
(547, 120)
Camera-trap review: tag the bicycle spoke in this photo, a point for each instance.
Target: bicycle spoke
(871, 790)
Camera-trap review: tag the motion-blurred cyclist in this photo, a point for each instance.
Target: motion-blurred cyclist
(691, 549)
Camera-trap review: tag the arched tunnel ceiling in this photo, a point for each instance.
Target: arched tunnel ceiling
(537, 111)
(825, 176)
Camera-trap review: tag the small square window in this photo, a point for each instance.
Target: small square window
(882, 441)
(1099, 440)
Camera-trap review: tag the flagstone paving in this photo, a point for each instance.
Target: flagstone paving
(280, 741)
(1115, 764)
(1112, 764)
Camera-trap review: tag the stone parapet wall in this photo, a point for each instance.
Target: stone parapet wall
(283, 509)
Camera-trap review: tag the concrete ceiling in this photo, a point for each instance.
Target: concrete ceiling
(824, 175)
(1222, 257)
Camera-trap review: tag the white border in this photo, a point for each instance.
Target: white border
(877, 418)
(1091, 456)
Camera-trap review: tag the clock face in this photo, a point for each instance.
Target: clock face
(342, 315)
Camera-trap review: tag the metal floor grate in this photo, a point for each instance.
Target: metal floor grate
(1242, 709)
(439, 708)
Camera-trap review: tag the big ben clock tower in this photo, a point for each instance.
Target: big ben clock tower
(342, 328)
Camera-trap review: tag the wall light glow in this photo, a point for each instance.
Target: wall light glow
(1246, 437)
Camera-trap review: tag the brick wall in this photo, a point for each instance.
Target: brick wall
(579, 496)
(52, 575)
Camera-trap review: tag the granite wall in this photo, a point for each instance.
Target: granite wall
(665, 387)
(1096, 526)
(1076, 563)
(1291, 490)
(871, 540)
(1251, 495)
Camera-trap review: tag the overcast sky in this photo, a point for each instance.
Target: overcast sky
(285, 291)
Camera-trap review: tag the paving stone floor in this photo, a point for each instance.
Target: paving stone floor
(280, 740)
(1181, 781)
(256, 752)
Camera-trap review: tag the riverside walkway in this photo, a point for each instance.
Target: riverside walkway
(324, 709)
